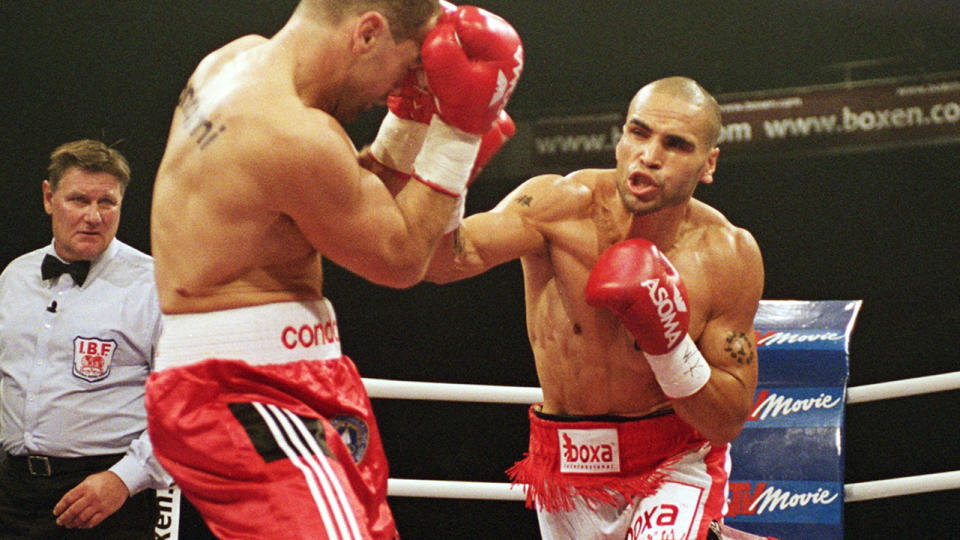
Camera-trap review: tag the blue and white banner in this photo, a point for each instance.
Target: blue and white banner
(787, 477)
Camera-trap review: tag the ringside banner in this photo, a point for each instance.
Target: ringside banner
(787, 476)
(810, 120)
(842, 117)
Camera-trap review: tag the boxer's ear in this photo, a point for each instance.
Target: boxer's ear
(369, 28)
(711, 166)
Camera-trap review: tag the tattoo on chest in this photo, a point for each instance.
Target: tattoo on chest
(739, 348)
(201, 129)
(524, 200)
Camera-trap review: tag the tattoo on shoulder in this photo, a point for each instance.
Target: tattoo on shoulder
(201, 129)
(524, 200)
(739, 348)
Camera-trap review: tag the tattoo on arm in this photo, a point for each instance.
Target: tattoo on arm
(458, 243)
(739, 348)
(524, 200)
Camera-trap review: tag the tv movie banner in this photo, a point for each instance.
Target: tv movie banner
(788, 463)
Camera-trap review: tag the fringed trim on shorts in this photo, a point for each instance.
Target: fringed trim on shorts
(648, 448)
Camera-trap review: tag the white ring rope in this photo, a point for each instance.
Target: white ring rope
(476, 393)
(480, 393)
(903, 388)
(861, 491)
(454, 489)
(909, 485)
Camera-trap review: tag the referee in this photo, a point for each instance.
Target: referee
(79, 320)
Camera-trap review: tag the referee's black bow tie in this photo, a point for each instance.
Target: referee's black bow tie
(53, 267)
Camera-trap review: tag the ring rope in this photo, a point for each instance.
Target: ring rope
(903, 388)
(480, 393)
(908, 485)
(454, 489)
(476, 393)
(501, 491)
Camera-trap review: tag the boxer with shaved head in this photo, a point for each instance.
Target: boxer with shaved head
(639, 305)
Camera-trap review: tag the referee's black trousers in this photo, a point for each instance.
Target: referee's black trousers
(27, 499)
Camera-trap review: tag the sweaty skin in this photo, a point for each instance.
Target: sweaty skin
(215, 244)
(259, 178)
(586, 360)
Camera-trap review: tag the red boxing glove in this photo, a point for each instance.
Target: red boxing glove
(502, 131)
(404, 128)
(637, 282)
(413, 99)
(473, 60)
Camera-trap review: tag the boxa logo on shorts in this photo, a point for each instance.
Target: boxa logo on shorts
(589, 450)
(661, 518)
(310, 336)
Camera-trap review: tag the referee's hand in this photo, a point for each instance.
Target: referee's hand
(91, 501)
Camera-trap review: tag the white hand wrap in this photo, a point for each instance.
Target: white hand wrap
(446, 159)
(682, 371)
(398, 142)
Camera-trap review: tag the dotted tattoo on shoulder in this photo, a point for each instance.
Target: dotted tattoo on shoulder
(739, 348)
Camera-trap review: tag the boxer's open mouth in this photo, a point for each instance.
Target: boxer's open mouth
(643, 185)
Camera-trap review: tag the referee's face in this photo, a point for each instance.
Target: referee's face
(84, 212)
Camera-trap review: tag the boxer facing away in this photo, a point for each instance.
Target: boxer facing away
(258, 183)
(640, 302)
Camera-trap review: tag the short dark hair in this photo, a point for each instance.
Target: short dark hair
(89, 155)
(407, 18)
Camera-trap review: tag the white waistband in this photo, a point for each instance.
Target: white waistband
(258, 335)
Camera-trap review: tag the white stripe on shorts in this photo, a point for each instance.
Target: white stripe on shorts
(323, 482)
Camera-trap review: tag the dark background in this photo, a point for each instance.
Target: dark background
(877, 225)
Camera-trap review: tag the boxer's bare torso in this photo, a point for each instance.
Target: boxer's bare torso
(234, 249)
(586, 359)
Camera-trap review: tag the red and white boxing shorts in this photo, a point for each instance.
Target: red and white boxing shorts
(622, 478)
(266, 427)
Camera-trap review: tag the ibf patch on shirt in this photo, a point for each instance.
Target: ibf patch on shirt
(590, 451)
(92, 358)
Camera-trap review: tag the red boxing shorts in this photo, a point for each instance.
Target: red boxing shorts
(266, 427)
(623, 478)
